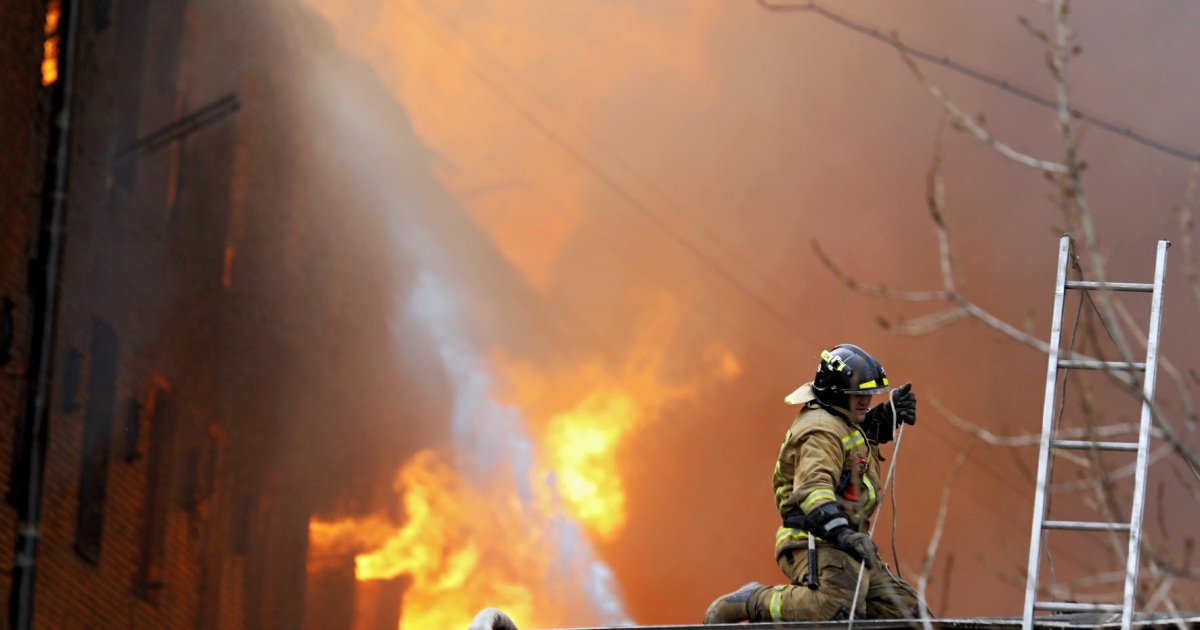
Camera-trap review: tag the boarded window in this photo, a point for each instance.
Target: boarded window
(97, 440)
(158, 427)
(7, 330)
(131, 430)
(203, 464)
(210, 506)
(69, 384)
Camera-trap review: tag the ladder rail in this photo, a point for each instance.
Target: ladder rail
(1049, 443)
(1039, 500)
(1137, 511)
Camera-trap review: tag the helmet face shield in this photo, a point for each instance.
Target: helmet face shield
(847, 370)
(870, 391)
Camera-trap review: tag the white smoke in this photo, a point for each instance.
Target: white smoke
(493, 448)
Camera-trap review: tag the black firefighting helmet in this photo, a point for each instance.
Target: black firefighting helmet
(845, 370)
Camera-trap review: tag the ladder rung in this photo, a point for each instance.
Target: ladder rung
(1076, 607)
(1103, 446)
(1100, 365)
(1088, 526)
(1111, 286)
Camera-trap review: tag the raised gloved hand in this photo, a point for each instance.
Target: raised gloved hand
(830, 523)
(878, 425)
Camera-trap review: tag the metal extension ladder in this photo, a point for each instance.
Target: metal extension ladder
(1049, 442)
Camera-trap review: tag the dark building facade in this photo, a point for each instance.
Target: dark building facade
(23, 122)
(212, 341)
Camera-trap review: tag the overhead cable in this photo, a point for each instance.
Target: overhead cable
(983, 77)
(535, 121)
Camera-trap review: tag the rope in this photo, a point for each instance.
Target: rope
(883, 491)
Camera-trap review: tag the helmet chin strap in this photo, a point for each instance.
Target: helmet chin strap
(844, 414)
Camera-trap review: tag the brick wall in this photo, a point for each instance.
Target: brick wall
(22, 126)
(121, 398)
(136, 507)
(221, 357)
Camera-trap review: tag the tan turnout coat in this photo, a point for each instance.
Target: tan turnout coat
(824, 458)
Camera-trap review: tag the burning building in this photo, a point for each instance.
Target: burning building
(239, 358)
(324, 315)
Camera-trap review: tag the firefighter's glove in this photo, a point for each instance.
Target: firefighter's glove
(828, 522)
(858, 545)
(878, 425)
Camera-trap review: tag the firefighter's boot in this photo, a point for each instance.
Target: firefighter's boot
(732, 608)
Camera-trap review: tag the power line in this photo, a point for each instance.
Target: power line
(983, 77)
(603, 177)
(610, 154)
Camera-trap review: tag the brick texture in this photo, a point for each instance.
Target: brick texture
(22, 116)
(247, 324)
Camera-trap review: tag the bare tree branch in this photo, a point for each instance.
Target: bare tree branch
(936, 200)
(876, 291)
(926, 324)
(966, 123)
(1028, 439)
(1165, 364)
(1112, 318)
(1127, 470)
(936, 538)
(1186, 214)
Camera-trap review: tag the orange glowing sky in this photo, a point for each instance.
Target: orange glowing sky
(655, 173)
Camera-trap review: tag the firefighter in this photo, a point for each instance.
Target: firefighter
(826, 487)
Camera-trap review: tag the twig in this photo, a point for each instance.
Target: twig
(880, 292)
(925, 324)
(1028, 439)
(1181, 384)
(966, 123)
(1119, 473)
(936, 538)
(1186, 223)
(936, 200)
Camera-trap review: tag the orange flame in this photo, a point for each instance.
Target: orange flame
(50, 45)
(467, 547)
(449, 546)
(581, 446)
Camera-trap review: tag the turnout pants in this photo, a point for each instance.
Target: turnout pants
(881, 596)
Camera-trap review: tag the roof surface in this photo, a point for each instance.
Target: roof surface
(1078, 620)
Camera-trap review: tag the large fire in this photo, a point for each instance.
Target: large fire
(518, 535)
(463, 547)
(447, 547)
(470, 541)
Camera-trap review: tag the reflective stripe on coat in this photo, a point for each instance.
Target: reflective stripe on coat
(823, 458)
